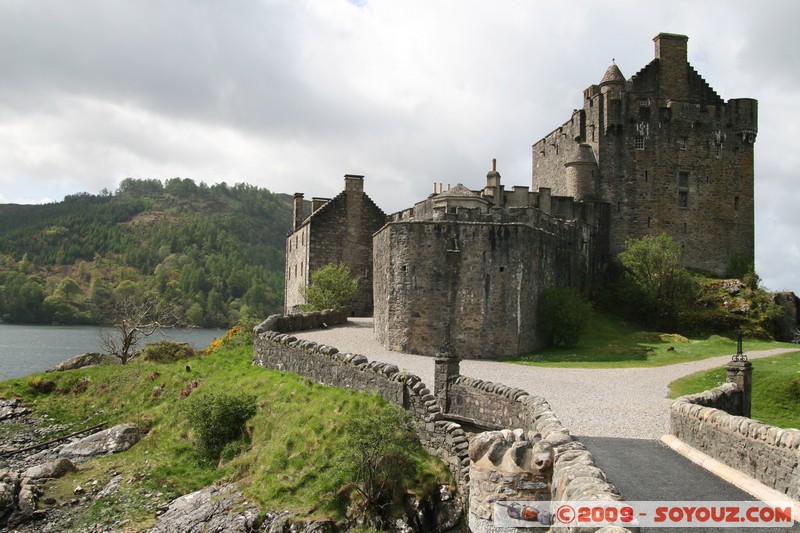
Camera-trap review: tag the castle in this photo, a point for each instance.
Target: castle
(463, 270)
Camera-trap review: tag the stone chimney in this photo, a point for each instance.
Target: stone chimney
(298, 209)
(353, 183)
(317, 202)
(671, 51)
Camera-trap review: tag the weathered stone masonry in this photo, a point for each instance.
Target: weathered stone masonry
(338, 230)
(710, 422)
(470, 280)
(666, 152)
(571, 475)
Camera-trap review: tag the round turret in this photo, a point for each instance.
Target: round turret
(581, 174)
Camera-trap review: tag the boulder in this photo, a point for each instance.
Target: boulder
(106, 442)
(8, 491)
(212, 509)
(51, 469)
(11, 409)
(87, 359)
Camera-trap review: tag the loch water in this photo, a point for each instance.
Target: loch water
(26, 350)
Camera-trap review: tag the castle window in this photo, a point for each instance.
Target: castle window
(502, 269)
(684, 228)
(683, 189)
(644, 102)
(735, 203)
(638, 142)
(646, 175)
(682, 143)
(649, 221)
(717, 150)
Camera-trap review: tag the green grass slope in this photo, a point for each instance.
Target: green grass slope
(776, 388)
(292, 461)
(611, 342)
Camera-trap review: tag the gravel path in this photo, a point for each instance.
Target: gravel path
(618, 402)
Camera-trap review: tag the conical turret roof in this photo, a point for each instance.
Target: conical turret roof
(613, 75)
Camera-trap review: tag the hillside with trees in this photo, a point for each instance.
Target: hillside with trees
(216, 253)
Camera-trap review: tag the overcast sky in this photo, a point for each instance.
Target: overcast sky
(291, 95)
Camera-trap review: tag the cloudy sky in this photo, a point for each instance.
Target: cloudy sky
(293, 94)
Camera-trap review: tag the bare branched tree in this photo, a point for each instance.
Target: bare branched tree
(135, 318)
(796, 338)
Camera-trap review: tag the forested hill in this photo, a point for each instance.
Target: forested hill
(217, 251)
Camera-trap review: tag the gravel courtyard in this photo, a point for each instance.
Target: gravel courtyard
(624, 402)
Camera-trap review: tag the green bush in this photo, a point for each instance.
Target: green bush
(563, 314)
(332, 287)
(739, 266)
(379, 458)
(166, 351)
(218, 419)
(663, 287)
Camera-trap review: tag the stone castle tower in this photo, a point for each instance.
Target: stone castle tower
(666, 153)
(463, 270)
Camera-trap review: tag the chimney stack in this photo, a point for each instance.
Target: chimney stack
(671, 51)
(298, 209)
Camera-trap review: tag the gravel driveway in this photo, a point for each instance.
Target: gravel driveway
(619, 402)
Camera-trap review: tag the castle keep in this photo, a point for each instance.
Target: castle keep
(463, 270)
(666, 153)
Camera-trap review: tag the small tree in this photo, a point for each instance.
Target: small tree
(662, 285)
(563, 314)
(376, 454)
(134, 319)
(332, 287)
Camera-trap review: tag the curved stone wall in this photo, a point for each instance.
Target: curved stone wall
(767, 453)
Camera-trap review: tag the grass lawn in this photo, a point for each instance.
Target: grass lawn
(776, 388)
(292, 463)
(611, 342)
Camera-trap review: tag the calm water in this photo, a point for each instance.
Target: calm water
(28, 349)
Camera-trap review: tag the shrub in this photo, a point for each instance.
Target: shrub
(662, 286)
(218, 419)
(166, 351)
(739, 266)
(563, 314)
(39, 384)
(332, 287)
(378, 458)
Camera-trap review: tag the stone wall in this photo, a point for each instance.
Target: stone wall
(472, 285)
(325, 365)
(508, 407)
(766, 453)
(302, 321)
